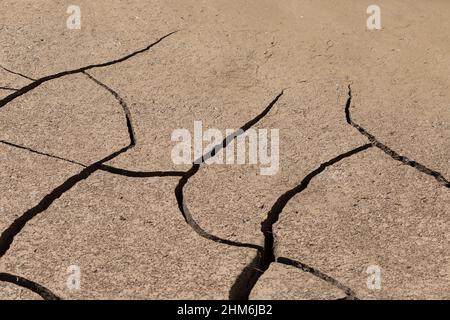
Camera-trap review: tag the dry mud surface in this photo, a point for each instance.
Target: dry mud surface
(87, 178)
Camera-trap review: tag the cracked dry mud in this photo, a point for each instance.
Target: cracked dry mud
(87, 177)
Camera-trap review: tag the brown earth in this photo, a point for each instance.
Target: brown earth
(87, 179)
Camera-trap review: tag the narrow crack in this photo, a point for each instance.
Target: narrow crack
(45, 293)
(17, 74)
(265, 256)
(8, 235)
(141, 174)
(122, 103)
(393, 154)
(14, 145)
(214, 150)
(8, 89)
(319, 274)
(244, 284)
(38, 82)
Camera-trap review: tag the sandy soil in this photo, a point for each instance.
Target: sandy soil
(88, 180)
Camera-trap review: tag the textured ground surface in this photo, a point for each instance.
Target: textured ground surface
(87, 177)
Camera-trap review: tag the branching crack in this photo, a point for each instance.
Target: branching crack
(265, 255)
(141, 174)
(8, 235)
(45, 293)
(103, 167)
(393, 154)
(245, 284)
(38, 82)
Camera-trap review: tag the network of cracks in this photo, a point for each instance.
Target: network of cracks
(264, 255)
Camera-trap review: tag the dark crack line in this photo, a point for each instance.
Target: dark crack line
(244, 284)
(8, 235)
(132, 137)
(8, 89)
(14, 145)
(393, 154)
(195, 168)
(191, 221)
(17, 74)
(141, 174)
(319, 274)
(42, 80)
(122, 103)
(45, 293)
(103, 167)
(214, 150)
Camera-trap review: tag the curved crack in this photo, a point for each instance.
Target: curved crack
(319, 274)
(42, 80)
(7, 237)
(244, 284)
(45, 293)
(393, 154)
(192, 223)
(122, 103)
